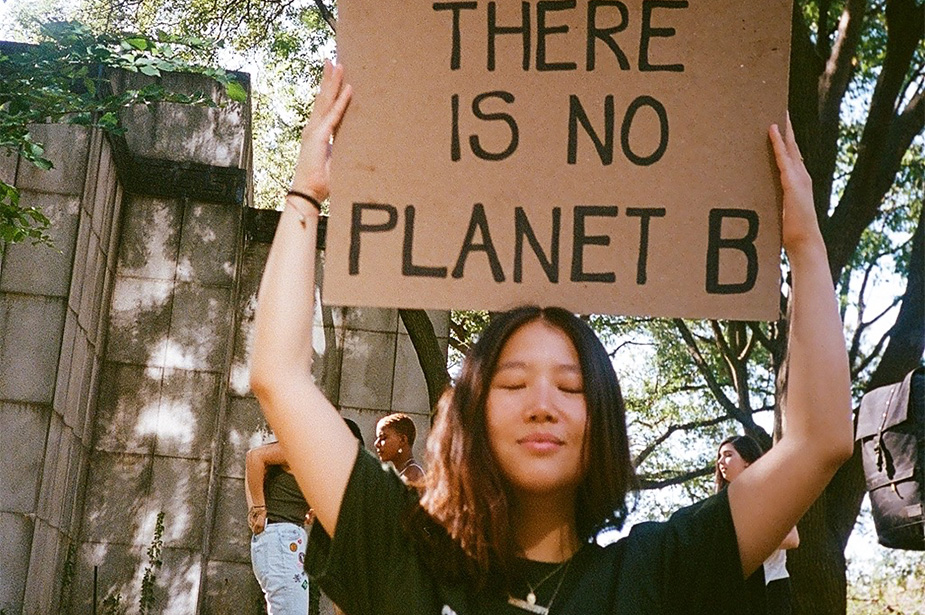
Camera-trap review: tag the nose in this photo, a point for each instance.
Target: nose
(542, 406)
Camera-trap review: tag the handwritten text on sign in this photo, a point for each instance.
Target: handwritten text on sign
(606, 156)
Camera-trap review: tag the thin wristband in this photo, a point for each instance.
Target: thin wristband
(315, 202)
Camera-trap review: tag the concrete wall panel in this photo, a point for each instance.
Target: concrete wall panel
(177, 588)
(369, 359)
(117, 484)
(31, 328)
(188, 409)
(22, 440)
(150, 237)
(179, 488)
(245, 428)
(139, 321)
(231, 537)
(129, 404)
(66, 145)
(64, 362)
(120, 568)
(79, 266)
(49, 501)
(208, 246)
(17, 531)
(44, 270)
(169, 131)
(231, 588)
(8, 164)
(371, 319)
(199, 328)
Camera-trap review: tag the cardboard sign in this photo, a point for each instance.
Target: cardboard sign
(607, 156)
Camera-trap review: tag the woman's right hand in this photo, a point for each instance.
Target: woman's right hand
(257, 518)
(313, 167)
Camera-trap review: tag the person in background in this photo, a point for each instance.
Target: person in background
(769, 587)
(277, 515)
(395, 436)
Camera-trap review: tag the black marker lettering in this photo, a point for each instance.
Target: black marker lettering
(408, 268)
(479, 222)
(542, 30)
(576, 114)
(494, 29)
(745, 244)
(523, 229)
(357, 227)
(649, 32)
(644, 214)
(482, 115)
(581, 240)
(606, 34)
(456, 7)
(648, 101)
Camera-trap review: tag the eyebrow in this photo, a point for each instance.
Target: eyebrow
(565, 367)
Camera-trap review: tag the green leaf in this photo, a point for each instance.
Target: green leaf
(149, 70)
(138, 42)
(236, 91)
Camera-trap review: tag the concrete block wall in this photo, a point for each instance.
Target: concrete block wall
(161, 401)
(124, 373)
(51, 337)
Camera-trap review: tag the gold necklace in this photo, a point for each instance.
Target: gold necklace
(530, 604)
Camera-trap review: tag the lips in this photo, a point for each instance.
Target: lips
(541, 442)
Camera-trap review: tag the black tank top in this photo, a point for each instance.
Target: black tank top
(283, 497)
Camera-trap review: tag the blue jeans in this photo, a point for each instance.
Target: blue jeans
(278, 559)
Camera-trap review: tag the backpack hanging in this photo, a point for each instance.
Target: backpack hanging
(891, 430)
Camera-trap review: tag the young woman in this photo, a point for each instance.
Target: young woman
(395, 435)
(769, 587)
(277, 514)
(528, 456)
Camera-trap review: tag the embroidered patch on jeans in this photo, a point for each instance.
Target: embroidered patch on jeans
(293, 547)
(305, 584)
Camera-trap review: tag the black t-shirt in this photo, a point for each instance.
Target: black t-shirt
(687, 565)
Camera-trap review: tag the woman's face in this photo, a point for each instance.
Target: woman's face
(536, 411)
(730, 462)
(388, 441)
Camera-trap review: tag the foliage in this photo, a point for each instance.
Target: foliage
(64, 78)
(147, 601)
(112, 605)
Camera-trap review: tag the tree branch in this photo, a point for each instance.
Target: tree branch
(704, 369)
(881, 150)
(433, 363)
(657, 482)
(326, 15)
(833, 83)
(907, 336)
(637, 461)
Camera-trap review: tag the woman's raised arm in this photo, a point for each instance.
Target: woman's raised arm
(773, 493)
(317, 444)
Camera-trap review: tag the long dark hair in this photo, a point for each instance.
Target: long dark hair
(466, 493)
(747, 448)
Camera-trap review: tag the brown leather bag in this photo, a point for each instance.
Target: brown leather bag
(891, 430)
